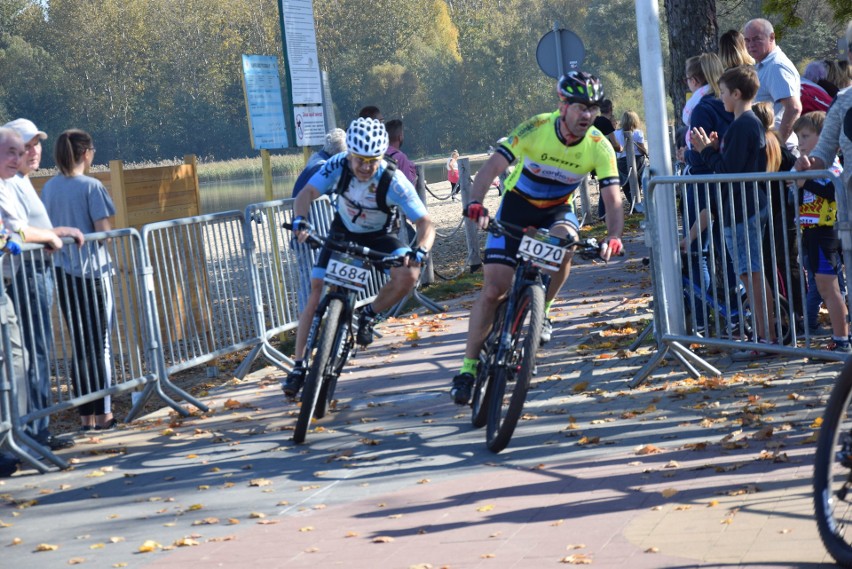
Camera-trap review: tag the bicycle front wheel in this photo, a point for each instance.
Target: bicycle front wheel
(510, 383)
(485, 372)
(833, 471)
(321, 360)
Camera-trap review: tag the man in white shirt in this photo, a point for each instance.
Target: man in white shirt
(779, 79)
(33, 290)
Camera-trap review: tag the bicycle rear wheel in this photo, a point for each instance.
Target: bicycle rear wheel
(320, 362)
(833, 471)
(510, 383)
(485, 371)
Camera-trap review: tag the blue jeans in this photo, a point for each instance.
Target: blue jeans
(744, 241)
(33, 301)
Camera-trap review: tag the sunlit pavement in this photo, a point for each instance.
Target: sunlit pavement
(678, 473)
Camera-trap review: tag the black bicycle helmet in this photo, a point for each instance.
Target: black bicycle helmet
(580, 87)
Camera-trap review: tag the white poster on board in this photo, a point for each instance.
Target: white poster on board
(302, 60)
(310, 125)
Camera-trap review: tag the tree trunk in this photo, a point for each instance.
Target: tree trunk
(693, 30)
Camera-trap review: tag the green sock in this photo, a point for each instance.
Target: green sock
(547, 306)
(469, 366)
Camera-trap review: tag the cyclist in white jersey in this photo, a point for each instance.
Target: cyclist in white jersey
(370, 190)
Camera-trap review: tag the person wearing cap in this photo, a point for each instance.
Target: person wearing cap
(357, 176)
(553, 152)
(32, 292)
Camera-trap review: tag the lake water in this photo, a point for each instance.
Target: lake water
(237, 194)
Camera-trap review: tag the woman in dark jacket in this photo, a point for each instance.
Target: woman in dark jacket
(704, 109)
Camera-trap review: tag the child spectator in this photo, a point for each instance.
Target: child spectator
(820, 242)
(741, 150)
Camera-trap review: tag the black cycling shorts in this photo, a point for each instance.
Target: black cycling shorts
(387, 243)
(516, 210)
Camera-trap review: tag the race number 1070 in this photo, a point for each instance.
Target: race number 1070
(541, 253)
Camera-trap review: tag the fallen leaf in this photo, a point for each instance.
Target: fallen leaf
(652, 550)
(149, 546)
(486, 508)
(97, 546)
(648, 449)
(76, 560)
(487, 556)
(256, 515)
(382, 539)
(260, 482)
(16, 541)
(46, 547)
(306, 529)
(185, 542)
(577, 559)
(669, 492)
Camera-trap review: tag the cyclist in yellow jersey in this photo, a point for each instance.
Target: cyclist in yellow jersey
(553, 152)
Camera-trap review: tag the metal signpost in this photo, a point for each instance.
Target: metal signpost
(304, 81)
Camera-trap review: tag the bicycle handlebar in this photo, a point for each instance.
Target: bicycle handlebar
(588, 248)
(376, 257)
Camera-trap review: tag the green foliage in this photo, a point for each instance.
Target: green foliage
(154, 79)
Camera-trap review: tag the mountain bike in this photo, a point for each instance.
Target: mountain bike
(331, 339)
(507, 357)
(833, 471)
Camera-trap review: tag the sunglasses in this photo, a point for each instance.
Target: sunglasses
(366, 159)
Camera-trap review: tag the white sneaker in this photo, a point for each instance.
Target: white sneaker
(546, 332)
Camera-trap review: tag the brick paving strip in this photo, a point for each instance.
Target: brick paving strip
(678, 473)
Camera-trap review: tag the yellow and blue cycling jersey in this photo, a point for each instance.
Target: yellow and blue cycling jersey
(550, 171)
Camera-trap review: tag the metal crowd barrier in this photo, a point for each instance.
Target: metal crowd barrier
(202, 288)
(86, 324)
(725, 316)
(180, 294)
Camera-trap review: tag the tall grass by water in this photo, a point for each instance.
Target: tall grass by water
(217, 170)
(242, 168)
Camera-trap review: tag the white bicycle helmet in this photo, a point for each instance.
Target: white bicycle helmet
(367, 137)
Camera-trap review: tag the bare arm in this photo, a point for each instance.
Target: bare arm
(611, 195)
(492, 168)
(425, 232)
(792, 111)
(302, 205)
(38, 235)
(614, 142)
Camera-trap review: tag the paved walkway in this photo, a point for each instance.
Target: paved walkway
(678, 473)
